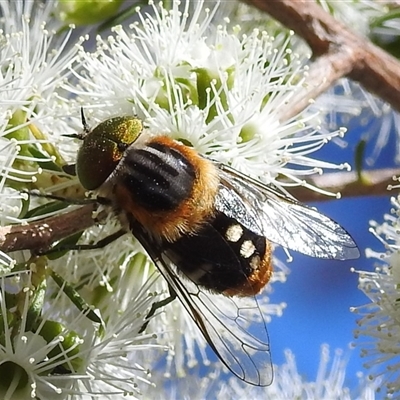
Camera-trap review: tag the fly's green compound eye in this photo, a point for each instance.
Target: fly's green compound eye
(103, 147)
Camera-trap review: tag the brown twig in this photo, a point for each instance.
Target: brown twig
(42, 234)
(338, 52)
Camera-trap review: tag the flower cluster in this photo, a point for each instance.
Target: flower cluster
(34, 63)
(213, 88)
(379, 325)
(288, 384)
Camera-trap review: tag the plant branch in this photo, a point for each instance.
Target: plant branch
(338, 52)
(42, 234)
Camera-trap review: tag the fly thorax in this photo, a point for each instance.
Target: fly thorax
(157, 176)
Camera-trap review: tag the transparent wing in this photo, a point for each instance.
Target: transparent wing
(280, 219)
(224, 321)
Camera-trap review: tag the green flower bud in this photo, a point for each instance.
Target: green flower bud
(87, 12)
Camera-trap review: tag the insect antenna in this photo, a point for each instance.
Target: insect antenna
(86, 129)
(85, 125)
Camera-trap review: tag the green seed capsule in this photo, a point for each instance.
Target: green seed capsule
(103, 147)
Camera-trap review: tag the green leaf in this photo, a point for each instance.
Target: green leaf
(47, 208)
(359, 156)
(87, 12)
(76, 298)
(67, 350)
(392, 14)
(388, 42)
(24, 207)
(121, 16)
(48, 165)
(36, 306)
(391, 46)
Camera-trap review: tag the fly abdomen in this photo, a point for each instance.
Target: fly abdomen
(157, 176)
(223, 257)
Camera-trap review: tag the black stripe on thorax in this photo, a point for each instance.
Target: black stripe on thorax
(159, 178)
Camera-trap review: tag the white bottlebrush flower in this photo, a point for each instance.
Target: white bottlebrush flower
(32, 345)
(379, 326)
(347, 104)
(288, 384)
(350, 105)
(237, 13)
(379, 121)
(34, 60)
(120, 360)
(216, 89)
(329, 383)
(59, 353)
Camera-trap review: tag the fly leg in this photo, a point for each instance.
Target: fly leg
(158, 304)
(98, 245)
